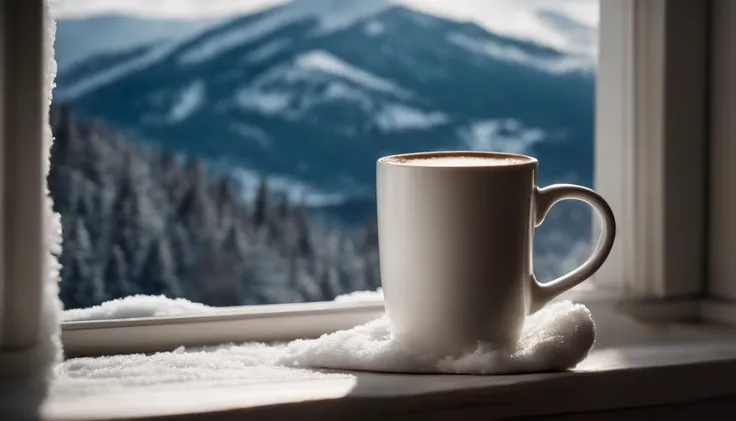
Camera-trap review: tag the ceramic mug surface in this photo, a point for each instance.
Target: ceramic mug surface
(455, 243)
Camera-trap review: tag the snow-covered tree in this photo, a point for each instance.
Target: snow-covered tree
(225, 198)
(119, 284)
(197, 209)
(138, 220)
(304, 240)
(184, 257)
(215, 274)
(369, 252)
(81, 285)
(158, 273)
(262, 205)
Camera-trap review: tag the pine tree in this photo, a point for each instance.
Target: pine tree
(67, 186)
(89, 208)
(78, 295)
(267, 270)
(329, 283)
(64, 161)
(95, 166)
(215, 275)
(81, 285)
(305, 247)
(100, 228)
(67, 140)
(173, 182)
(183, 257)
(197, 209)
(369, 253)
(260, 214)
(225, 197)
(158, 274)
(137, 219)
(235, 242)
(235, 249)
(116, 276)
(351, 268)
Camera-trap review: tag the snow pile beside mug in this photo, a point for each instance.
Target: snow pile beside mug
(555, 338)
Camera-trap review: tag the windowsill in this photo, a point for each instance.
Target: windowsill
(634, 365)
(285, 322)
(609, 379)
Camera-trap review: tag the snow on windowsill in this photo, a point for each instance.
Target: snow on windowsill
(554, 339)
(212, 379)
(138, 306)
(643, 375)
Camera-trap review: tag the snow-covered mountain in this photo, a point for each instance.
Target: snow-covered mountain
(313, 91)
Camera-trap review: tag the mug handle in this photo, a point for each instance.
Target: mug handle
(544, 199)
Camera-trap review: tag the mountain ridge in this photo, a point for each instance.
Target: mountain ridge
(257, 108)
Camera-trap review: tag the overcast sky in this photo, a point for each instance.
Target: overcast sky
(496, 12)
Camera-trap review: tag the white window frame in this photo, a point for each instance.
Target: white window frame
(650, 161)
(640, 146)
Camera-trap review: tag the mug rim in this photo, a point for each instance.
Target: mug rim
(397, 159)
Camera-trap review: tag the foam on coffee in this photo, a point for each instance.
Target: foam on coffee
(455, 160)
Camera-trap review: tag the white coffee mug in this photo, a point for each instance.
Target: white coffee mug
(455, 242)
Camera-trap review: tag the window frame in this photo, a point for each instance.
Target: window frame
(651, 132)
(639, 143)
(722, 176)
(23, 259)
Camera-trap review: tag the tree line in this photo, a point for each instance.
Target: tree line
(140, 220)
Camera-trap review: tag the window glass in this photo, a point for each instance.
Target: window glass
(224, 152)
